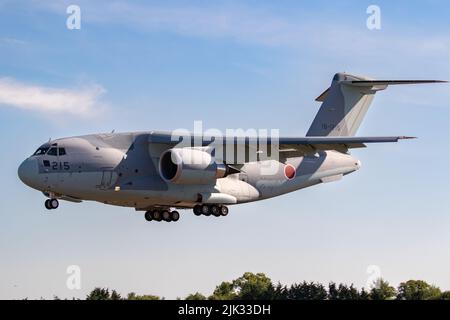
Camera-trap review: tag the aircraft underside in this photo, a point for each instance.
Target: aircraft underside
(155, 172)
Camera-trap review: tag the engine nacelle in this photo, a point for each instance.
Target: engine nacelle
(191, 166)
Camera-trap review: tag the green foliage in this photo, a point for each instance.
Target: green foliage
(445, 295)
(258, 286)
(280, 292)
(418, 290)
(253, 287)
(364, 295)
(115, 295)
(195, 296)
(248, 287)
(99, 294)
(224, 291)
(382, 291)
(343, 292)
(134, 296)
(307, 291)
(104, 294)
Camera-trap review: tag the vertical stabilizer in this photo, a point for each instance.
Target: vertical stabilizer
(346, 103)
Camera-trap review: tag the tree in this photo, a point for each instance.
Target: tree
(99, 294)
(333, 293)
(280, 292)
(134, 296)
(248, 287)
(343, 292)
(347, 293)
(364, 295)
(418, 290)
(115, 295)
(253, 287)
(382, 291)
(445, 295)
(224, 291)
(195, 296)
(307, 291)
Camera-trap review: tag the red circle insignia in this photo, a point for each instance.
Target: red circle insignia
(290, 172)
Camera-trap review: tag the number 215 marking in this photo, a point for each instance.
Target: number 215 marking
(60, 165)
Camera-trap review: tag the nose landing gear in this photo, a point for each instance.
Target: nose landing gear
(51, 204)
(208, 210)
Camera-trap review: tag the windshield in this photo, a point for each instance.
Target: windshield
(41, 151)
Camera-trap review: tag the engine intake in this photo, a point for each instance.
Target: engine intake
(191, 166)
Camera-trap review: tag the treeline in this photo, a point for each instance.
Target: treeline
(259, 287)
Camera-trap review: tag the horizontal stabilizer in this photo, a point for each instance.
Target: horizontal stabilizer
(366, 83)
(377, 84)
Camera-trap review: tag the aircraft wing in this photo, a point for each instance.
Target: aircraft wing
(295, 147)
(287, 146)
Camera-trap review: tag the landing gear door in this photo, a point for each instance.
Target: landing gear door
(108, 179)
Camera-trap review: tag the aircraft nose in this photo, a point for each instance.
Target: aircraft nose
(27, 171)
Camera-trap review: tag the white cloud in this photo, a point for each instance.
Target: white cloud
(256, 25)
(11, 41)
(81, 102)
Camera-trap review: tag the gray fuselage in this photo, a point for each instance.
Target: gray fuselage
(122, 169)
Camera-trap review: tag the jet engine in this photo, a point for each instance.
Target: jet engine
(191, 166)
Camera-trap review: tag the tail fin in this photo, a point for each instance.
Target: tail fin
(346, 103)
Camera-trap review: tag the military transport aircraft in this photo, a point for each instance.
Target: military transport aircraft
(154, 172)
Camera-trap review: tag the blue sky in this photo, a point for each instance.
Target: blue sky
(144, 65)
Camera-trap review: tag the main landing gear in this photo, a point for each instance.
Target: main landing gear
(162, 215)
(51, 204)
(208, 210)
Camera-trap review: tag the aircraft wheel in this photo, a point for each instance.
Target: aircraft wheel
(206, 210)
(156, 215)
(47, 204)
(53, 203)
(174, 216)
(166, 216)
(224, 211)
(198, 210)
(215, 210)
(148, 216)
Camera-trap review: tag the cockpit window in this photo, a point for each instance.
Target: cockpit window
(52, 152)
(62, 151)
(41, 151)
